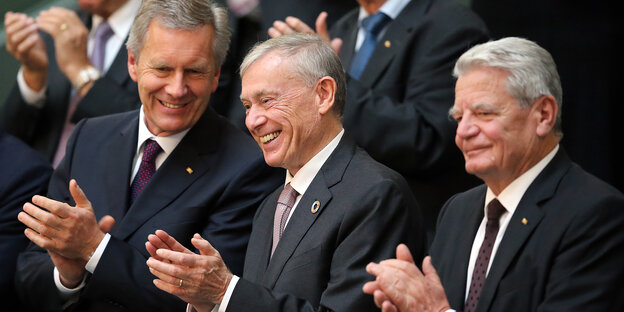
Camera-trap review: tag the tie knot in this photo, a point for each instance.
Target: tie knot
(495, 210)
(151, 150)
(103, 32)
(288, 195)
(374, 23)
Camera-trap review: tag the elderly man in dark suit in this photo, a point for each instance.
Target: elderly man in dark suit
(400, 55)
(339, 208)
(73, 66)
(25, 173)
(174, 165)
(541, 234)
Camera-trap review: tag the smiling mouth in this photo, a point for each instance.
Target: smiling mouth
(269, 137)
(169, 105)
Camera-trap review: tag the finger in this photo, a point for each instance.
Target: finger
(14, 21)
(321, 26)
(387, 306)
(336, 44)
(283, 28)
(370, 287)
(403, 253)
(174, 270)
(35, 224)
(179, 258)
(204, 246)
(403, 266)
(20, 34)
(274, 33)
(79, 196)
(151, 249)
(38, 239)
(380, 298)
(298, 25)
(42, 216)
(430, 271)
(106, 223)
(165, 277)
(28, 43)
(62, 210)
(171, 242)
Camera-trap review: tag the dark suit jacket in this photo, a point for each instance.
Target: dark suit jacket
(319, 264)
(398, 110)
(218, 199)
(568, 257)
(24, 174)
(41, 128)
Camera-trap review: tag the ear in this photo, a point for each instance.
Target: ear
(132, 64)
(325, 94)
(545, 111)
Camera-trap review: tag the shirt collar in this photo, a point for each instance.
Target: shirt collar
(167, 143)
(121, 20)
(306, 174)
(392, 8)
(512, 194)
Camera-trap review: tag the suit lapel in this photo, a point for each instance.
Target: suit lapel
(350, 31)
(302, 219)
(117, 180)
(517, 233)
(459, 268)
(172, 178)
(261, 240)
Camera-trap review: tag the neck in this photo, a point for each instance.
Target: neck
(371, 6)
(328, 133)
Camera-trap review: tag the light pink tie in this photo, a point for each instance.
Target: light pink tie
(285, 203)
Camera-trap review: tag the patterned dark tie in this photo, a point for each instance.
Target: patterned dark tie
(494, 211)
(285, 203)
(373, 24)
(146, 169)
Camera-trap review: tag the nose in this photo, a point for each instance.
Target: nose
(466, 128)
(176, 86)
(255, 118)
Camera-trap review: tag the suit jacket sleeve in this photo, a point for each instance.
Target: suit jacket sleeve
(401, 119)
(369, 232)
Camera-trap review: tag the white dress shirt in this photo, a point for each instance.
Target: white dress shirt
(300, 182)
(120, 22)
(392, 8)
(167, 144)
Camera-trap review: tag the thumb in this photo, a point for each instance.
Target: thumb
(79, 196)
(403, 253)
(204, 247)
(106, 223)
(429, 271)
(336, 44)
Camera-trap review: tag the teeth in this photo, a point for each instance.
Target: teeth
(172, 105)
(270, 137)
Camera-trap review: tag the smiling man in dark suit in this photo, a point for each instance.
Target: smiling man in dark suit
(174, 165)
(400, 88)
(541, 234)
(339, 208)
(66, 72)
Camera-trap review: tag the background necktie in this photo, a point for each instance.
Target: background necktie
(373, 24)
(102, 33)
(494, 211)
(146, 169)
(285, 202)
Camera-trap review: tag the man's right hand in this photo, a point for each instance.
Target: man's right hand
(25, 44)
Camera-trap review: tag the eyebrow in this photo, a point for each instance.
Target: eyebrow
(257, 94)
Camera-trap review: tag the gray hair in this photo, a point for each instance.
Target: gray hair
(311, 59)
(532, 70)
(182, 14)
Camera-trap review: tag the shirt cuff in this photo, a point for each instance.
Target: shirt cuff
(97, 254)
(30, 96)
(67, 292)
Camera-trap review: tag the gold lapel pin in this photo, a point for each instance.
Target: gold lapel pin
(189, 170)
(315, 206)
(525, 221)
(387, 44)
